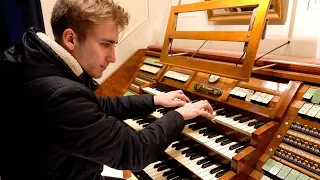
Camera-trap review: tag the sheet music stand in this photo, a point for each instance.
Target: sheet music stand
(250, 37)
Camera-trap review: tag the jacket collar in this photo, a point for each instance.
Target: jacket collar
(71, 62)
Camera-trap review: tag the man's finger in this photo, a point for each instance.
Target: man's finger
(183, 97)
(206, 106)
(179, 91)
(205, 114)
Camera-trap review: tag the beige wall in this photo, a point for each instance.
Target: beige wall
(301, 27)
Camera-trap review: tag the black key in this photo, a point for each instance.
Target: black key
(175, 144)
(226, 142)
(187, 151)
(238, 117)
(137, 118)
(232, 114)
(181, 143)
(215, 170)
(259, 125)
(141, 121)
(209, 133)
(240, 149)
(245, 119)
(203, 131)
(199, 127)
(172, 176)
(219, 111)
(167, 173)
(193, 157)
(163, 168)
(162, 163)
(234, 146)
(208, 164)
(202, 161)
(181, 146)
(145, 125)
(190, 154)
(177, 178)
(213, 135)
(221, 173)
(196, 125)
(253, 123)
(220, 139)
(226, 111)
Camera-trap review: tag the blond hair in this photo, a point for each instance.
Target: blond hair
(80, 15)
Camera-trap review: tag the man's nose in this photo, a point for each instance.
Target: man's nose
(112, 57)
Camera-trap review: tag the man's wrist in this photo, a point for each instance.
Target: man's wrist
(156, 100)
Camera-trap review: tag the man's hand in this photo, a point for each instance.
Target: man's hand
(200, 108)
(171, 99)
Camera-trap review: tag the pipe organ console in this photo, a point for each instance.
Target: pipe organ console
(266, 128)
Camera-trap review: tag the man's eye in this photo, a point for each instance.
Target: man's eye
(106, 44)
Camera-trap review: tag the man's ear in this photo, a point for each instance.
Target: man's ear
(69, 39)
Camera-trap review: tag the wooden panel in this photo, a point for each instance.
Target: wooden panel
(118, 82)
(294, 108)
(262, 137)
(213, 5)
(242, 162)
(239, 36)
(262, 161)
(219, 68)
(228, 176)
(225, 84)
(277, 138)
(255, 175)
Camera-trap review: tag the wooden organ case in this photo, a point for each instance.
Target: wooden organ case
(265, 127)
(285, 124)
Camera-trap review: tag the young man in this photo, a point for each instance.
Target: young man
(53, 125)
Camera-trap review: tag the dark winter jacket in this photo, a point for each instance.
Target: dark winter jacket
(53, 125)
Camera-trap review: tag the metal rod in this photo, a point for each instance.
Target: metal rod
(240, 58)
(198, 50)
(273, 50)
(179, 54)
(263, 67)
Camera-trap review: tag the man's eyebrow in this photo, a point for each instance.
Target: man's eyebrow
(109, 41)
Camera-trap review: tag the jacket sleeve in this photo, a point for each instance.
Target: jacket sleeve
(124, 107)
(81, 129)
